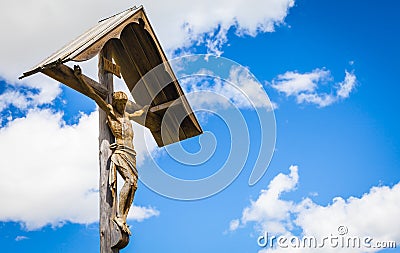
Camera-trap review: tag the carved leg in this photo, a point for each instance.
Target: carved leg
(124, 198)
(131, 196)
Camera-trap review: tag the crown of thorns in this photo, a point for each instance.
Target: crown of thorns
(119, 95)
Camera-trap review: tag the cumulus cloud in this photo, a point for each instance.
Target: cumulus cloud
(293, 83)
(305, 87)
(234, 224)
(27, 96)
(139, 213)
(373, 215)
(269, 211)
(21, 238)
(208, 90)
(51, 171)
(347, 85)
(209, 21)
(37, 29)
(321, 100)
(14, 98)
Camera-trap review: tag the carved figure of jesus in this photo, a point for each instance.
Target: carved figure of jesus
(123, 158)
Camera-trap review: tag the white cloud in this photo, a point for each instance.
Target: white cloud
(305, 86)
(208, 90)
(14, 98)
(252, 92)
(208, 21)
(37, 29)
(347, 85)
(293, 83)
(21, 238)
(139, 213)
(234, 224)
(373, 215)
(269, 210)
(50, 174)
(321, 100)
(24, 96)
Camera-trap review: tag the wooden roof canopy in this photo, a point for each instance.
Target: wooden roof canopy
(136, 51)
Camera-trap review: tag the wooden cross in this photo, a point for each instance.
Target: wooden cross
(111, 237)
(128, 39)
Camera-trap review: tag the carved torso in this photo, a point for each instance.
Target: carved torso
(121, 129)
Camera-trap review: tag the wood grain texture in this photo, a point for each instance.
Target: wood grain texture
(65, 75)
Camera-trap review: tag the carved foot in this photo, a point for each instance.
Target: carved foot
(119, 238)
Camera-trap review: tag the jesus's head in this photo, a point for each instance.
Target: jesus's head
(119, 101)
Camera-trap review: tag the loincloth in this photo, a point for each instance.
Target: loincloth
(122, 157)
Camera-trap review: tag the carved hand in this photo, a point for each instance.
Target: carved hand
(77, 70)
(146, 108)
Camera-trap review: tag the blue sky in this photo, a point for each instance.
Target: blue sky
(329, 69)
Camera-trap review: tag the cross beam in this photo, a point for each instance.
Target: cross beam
(65, 75)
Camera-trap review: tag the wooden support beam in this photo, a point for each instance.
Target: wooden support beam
(150, 120)
(65, 75)
(165, 105)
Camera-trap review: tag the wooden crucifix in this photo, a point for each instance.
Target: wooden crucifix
(126, 46)
(112, 238)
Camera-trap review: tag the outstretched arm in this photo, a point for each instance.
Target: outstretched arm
(138, 113)
(90, 92)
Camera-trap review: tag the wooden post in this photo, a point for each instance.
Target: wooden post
(107, 200)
